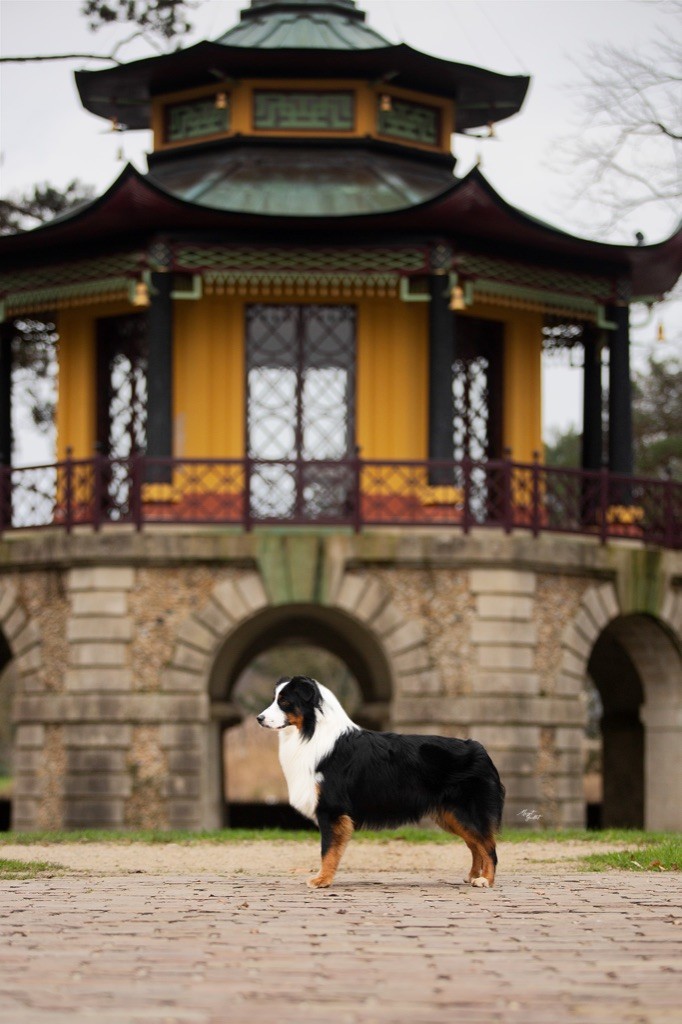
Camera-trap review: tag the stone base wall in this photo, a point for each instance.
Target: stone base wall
(117, 721)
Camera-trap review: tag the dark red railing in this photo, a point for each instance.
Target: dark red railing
(355, 492)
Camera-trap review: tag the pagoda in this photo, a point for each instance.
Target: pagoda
(294, 343)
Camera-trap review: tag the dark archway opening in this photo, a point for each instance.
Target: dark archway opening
(621, 695)
(6, 693)
(320, 642)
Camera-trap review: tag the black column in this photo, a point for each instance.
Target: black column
(6, 334)
(620, 393)
(441, 355)
(160, 375)
(591, 454)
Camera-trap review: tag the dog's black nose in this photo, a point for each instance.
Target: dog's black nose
(259, 718)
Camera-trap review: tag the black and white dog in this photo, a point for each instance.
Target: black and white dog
(344, 777)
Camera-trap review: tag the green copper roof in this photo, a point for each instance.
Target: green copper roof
(300, 181)
(285, 39)
(303, 24)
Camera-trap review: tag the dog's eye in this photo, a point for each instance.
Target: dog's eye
(285, 704)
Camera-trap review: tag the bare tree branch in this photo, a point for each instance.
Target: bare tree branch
(626, 154)
(32, 58)
(155, 19)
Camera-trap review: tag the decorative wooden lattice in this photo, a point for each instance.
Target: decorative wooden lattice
(195, 119)
(304, 111)
(300, 409)
(411, 122)
(477, 392)
(122, 352)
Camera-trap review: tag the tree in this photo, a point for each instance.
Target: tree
(154, 20)
(563, 450)
(656, 423)
(165, 18)
(657, 418)
(627, 152)
(34, 344)
(40, 204)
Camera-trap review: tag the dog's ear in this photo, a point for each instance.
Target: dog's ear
(307, 691)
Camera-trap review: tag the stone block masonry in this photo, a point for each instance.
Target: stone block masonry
(98, 783)
(122, 655)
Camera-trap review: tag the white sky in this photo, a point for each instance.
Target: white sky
(46, 135)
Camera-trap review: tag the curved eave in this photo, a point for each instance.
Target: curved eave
(470, 213)
(480, 212)
(318, 179)
(124, 92)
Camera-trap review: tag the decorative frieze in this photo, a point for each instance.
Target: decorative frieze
(409, 122)
(286, 110)
(195, 119)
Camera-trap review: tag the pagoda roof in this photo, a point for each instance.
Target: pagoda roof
(303, 24)
(302, 179)
(468, 213)
(279, 39)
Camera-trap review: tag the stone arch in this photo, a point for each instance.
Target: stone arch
(21, 635)
(598, 607)
(637, 667)
(386, 651)
(671, 610)
(21, 655)
(634, 659)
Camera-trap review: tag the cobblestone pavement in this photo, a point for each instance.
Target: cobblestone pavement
(203, 950)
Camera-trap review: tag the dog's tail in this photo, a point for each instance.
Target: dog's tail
(472, 781)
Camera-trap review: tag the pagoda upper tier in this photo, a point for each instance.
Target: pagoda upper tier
(327, 42)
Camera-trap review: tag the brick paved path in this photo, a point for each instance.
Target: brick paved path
(155, 950)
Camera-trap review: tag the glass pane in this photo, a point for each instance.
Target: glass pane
(272, 413)
(325, 414)
(300, 407)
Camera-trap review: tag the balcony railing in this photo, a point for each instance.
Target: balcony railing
(356, 493)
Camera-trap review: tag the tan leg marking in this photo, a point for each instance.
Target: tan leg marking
(482, 873)
(342, 830)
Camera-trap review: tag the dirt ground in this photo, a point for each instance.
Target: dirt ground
(280, 858)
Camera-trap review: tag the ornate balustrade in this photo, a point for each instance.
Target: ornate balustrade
(355, 492)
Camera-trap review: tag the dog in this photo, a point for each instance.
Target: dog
(344, 777)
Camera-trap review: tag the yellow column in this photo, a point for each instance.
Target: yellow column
(77, 385)
(208, 384)
(392, 371)
(522, 405)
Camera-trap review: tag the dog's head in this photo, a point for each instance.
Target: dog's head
(296, 701)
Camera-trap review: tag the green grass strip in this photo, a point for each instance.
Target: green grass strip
(10, 869)
(665, 855)
(408, 835)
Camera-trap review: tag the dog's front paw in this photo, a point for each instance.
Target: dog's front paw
(480, 883)
(319, 882)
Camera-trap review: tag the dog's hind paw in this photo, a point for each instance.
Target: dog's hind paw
(480, 883)
(319, 882)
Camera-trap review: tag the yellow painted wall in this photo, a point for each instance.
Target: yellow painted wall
(391, 378)
(208, 381)
(522, 377)
(522, 421)
(77, 376)
(392, 382)
(240, 99)
(209, 377)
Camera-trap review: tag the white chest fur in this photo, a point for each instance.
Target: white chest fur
(299, 763)
(299, 758)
